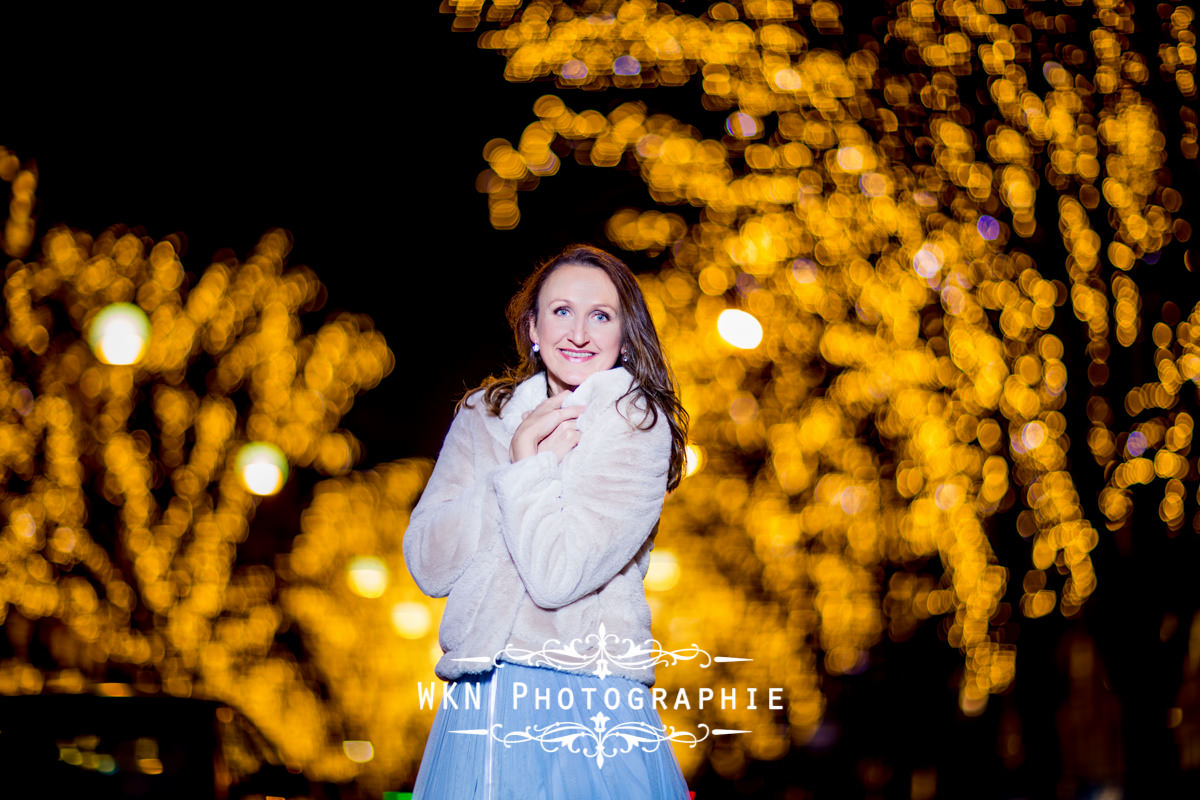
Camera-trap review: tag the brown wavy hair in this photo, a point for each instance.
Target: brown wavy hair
(654, 385)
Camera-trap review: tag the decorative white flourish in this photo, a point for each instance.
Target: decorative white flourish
(599, 742)
(602, 649)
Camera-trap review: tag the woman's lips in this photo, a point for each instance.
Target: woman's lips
(577, 356)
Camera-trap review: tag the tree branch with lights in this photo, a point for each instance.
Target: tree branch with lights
(144, 415)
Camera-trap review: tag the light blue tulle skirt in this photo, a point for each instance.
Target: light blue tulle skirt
(531, 733)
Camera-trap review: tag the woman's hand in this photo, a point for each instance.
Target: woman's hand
(550, 426)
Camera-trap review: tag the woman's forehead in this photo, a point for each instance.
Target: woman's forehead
(579, 282)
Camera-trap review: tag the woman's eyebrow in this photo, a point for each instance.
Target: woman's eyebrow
(570, 303)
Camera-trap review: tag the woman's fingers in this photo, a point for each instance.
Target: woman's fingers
(561, 440)
(541, 423)
(546, 417)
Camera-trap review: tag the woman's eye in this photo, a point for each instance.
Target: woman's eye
(561, 311)
(600, 315)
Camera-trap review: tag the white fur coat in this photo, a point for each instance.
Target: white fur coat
(539, 551)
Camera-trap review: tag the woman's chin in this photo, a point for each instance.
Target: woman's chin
(570, 376)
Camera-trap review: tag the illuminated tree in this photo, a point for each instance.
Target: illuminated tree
(961, 226)
(144, 414)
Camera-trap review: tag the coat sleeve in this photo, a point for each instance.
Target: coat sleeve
(571, 527)
(455, 515)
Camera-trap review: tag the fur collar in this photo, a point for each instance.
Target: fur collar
(599, 389)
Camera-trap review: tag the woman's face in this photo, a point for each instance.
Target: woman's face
(578, 325)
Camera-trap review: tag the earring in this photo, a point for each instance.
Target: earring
(533, 351)
(624, 357)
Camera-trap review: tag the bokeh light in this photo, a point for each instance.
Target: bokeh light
(664, 571)
(262, 467)
(626, 65)
(739, 328)
(742, 125)
(119, 334)
(411, 620)
(359, 751)
(988, 227)
(368, 576)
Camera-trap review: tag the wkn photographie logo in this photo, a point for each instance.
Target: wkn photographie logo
(603, 656)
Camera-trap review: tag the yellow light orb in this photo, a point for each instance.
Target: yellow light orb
(928, 261)
(359, 751)
(740, 329)
(948, 496)
(411, 620)
(850, 159)
(664, 570)
(119, 334)
(262, 467)
(1032, 435)
(788, 80)
(695, 459)
(368, 576)
(873, 184)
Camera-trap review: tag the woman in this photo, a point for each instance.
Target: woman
(537, 522)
